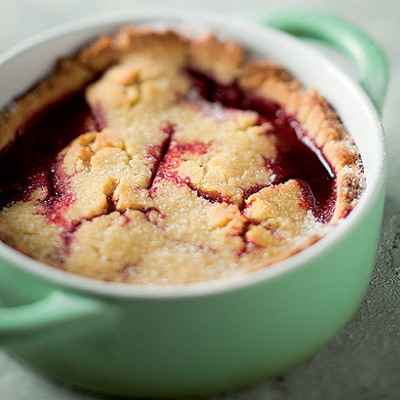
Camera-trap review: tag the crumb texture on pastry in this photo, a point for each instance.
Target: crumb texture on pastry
(189, 163)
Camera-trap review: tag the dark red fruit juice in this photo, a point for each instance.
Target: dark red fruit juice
(28, 162)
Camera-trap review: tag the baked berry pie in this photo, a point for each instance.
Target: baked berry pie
(152, 158)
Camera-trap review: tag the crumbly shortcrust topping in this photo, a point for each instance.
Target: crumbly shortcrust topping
(171, 188)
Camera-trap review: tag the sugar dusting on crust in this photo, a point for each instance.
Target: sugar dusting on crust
(171, 188)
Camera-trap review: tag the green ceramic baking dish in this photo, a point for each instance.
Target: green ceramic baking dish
(204, 338)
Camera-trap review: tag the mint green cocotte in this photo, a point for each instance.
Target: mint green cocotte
(205, 338)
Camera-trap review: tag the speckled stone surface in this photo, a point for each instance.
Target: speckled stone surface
(363, 361)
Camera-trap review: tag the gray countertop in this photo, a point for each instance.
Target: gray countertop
(363, 361)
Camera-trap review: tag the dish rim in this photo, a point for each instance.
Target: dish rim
(241, 281)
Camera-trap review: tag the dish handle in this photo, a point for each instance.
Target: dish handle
(359, 48)
(59, 309)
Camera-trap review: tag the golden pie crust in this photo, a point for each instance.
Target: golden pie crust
(164, 193)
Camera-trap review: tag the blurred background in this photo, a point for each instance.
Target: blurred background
(363, 361)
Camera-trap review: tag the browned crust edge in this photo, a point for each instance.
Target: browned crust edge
(320, 122)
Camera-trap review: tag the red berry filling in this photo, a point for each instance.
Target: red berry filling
(297, 156)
